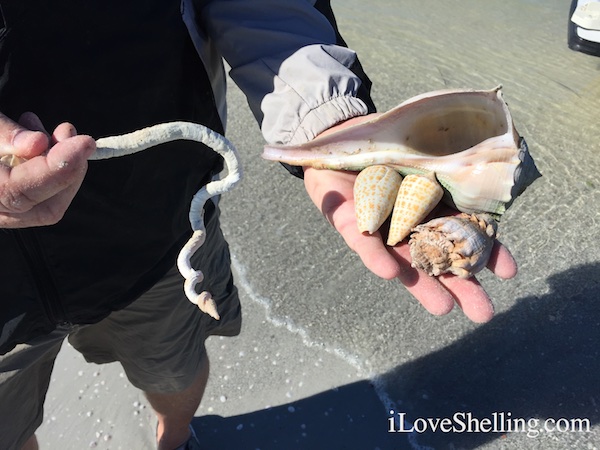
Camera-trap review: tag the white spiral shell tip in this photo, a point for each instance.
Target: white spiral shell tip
(207, 305)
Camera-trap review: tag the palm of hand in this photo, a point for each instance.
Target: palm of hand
(332, 193)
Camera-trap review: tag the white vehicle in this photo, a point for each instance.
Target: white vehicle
(584, 26)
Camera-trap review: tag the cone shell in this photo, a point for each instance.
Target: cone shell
(417, 197)
(375, 191)
(460, 245)
(466, 137)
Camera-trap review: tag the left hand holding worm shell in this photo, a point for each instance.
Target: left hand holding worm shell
(39, 192)
(136, 141)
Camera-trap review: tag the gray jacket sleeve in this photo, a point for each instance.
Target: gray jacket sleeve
(284, 55)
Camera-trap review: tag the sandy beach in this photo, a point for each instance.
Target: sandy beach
(329, 353)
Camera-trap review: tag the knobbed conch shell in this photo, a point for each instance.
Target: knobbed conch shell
(465, 140)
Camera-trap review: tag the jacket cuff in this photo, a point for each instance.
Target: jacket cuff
(326, 115)
(323, 117)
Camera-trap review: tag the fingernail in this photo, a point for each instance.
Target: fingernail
(30, 142)
(72, 130)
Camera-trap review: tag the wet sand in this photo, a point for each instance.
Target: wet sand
(328, 349)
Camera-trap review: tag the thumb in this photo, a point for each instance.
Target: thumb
(20, 141)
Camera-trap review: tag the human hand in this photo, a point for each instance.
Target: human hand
(332, 193)
(39, 191)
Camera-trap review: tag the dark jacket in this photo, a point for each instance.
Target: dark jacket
(110, 68)
(113, 67)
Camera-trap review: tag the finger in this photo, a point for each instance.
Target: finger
(48, 212)
(63, 131)
(373, 254)
(43, 177)
(389, 263)
(470, 296)
(370, 248)
(17, 140)
(393, 262)
(427, 290)
(501, 262)
(430, 294)
(31, 121)
(332, 193)
(338, 207)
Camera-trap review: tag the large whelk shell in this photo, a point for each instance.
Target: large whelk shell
(460, 245)
(375, 191)
(417, 197)
(466, 137)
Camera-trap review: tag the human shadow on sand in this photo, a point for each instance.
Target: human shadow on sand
(538, 360)
(350, 417)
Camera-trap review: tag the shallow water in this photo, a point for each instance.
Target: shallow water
(421, 363)
(317, 323)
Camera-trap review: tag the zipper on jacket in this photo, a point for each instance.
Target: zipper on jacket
(40, 274)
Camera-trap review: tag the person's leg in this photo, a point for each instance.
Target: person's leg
(159, 339)
(25, 375)
(175, 411)
(31, 444)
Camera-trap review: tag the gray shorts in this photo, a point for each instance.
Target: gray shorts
(159, 340)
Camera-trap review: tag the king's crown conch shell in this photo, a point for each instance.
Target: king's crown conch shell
(466, 137)
(460, 245)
